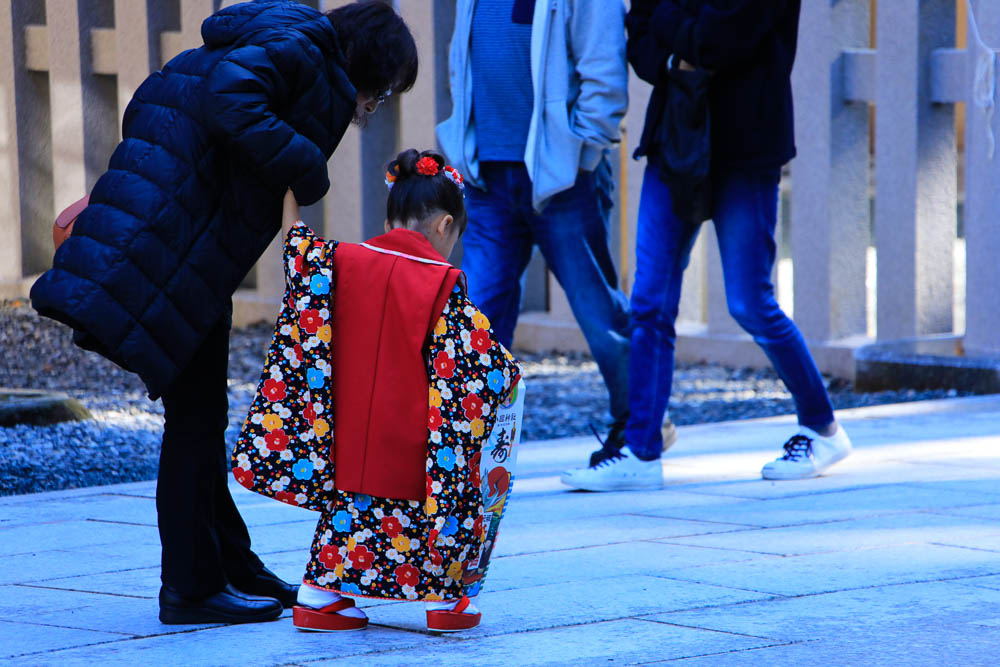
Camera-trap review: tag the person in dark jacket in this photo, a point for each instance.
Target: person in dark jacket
(748, 46)
(192, 197)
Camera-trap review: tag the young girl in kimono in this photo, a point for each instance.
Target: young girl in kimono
(382, 385)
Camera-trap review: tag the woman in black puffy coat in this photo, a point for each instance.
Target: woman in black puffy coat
(192, 197)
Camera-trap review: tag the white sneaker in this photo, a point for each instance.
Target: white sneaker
(808, 454)
(621, 472)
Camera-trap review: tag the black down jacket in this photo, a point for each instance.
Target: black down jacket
(193, 193)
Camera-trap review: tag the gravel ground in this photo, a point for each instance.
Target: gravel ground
(121, 444)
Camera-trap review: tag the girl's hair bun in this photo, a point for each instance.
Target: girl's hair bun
(412, 163)
(419, 185)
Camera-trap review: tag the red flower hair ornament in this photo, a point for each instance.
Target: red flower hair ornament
(428, 166)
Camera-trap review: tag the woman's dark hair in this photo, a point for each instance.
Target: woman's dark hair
(378, 47)
(415, 196)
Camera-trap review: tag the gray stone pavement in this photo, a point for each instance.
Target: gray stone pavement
(892, 558)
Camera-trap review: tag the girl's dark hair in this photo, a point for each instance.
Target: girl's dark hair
(378, 47)
(415, 196)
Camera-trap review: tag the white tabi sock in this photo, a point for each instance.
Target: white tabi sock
(449, 605)
(317, 598)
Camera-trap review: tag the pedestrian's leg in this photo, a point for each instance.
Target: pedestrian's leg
(572, 233)
(662, 251)
(192, 470)
(496, 248)
(745, 217)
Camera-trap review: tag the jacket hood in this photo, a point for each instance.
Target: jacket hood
(235, 24)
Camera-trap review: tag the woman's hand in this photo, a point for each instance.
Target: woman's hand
(289, 213)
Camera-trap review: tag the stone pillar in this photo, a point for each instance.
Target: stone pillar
(418, 114)
(67, 81)
(915, 172)
(193, 13)
(138, 45)
(982, 200)
(829, 204)
(13, 85)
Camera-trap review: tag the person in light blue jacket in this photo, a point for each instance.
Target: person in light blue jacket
(539, 89)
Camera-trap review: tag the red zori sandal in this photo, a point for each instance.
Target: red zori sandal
(326, 619)
(454, 619)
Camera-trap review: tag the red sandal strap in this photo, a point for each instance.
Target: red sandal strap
(339, 605)
(462, 605)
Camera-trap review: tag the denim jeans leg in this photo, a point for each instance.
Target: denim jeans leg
(496, 248)
(662, 251)
(572, 233)
(745, 216)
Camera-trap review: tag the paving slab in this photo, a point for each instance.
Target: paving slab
(33, 639)
(573, 533)
(893, 557)
(592, 563)
(861, 613)
(849, 535)
(629, 641)
(872, 501)
(275, 643)
(845, 570)
(969, 645)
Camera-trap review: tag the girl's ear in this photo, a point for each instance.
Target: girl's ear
(443, 225)
(387, 227)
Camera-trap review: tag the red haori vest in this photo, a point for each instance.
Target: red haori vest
(390, 293)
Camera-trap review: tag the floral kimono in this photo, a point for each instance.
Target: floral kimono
(367, 545)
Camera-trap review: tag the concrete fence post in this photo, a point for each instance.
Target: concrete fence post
(915, 171)
(138, 48)
(67, 81)
(982, 193)
(12, 78)
(829, 197)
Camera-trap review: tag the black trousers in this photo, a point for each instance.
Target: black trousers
(205, 543)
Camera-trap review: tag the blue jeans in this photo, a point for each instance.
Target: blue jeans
(572, 234)
(744, 212)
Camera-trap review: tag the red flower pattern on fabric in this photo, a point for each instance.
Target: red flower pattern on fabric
(276, 440)
(300, 266)
(286, 497)
(273, 390)
(407, 575)
(475, 474)
(391, 526)
(480, 341)
(436, 557)
(444, 365)
(434, 419)
(310, 321)
(309, 413)
(244, 477)
(330, 557)
(361, 558)
(427, 166)
(473, 406)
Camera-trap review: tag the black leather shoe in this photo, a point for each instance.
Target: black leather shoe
(227, 606)
(268, 584)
